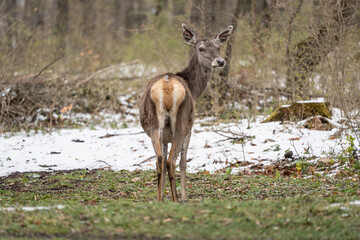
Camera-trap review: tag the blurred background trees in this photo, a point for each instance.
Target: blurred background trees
(282, 50)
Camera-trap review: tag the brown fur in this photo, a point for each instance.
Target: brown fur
(168, 93)
(148, 115)
(167, 108)
(161, 137)
(165, 89)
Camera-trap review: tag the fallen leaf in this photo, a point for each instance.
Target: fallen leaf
(135, 179)
(311, 169)
(118, 230)
(167, 220)
(324, 160)
(270, 168)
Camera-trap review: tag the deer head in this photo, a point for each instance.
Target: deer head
(207, 50)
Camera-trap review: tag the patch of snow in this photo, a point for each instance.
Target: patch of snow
(243, 63)
(30, 209)
(337, 114)
(319, 100)
(282, 83)
(211, 147)
(343, 205)
(5, 92)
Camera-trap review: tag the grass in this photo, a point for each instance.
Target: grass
(298, 218)
(103, 204)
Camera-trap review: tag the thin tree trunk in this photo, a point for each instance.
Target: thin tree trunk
(61, 26)
(34, 13)
(289, 61)
(228, 53)
(196, 17)
(211, 21)
(195, 14)
(178, 8)
(10, 11)
(88, 17)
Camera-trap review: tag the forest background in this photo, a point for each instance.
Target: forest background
(62, 53)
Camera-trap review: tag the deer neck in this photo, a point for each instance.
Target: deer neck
(196, 76)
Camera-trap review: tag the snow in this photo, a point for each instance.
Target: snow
(131, 148)
(356, 202)
(344, 206)
(319, 100)
(30, 209)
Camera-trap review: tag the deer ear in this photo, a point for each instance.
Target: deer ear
(189, 35)
(223, 36)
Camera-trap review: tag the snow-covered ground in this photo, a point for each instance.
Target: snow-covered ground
(211, 147)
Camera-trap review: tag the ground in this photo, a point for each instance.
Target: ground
(245, 180)
(103, 204)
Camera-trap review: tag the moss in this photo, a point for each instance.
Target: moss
(299, 111)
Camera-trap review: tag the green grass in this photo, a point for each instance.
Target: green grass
(104, 204)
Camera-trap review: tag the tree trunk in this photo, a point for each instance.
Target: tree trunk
(219, 83)
(260, 20)
(88, 17)
(61, 25)
(10, 32)
(196, 14)
(211, 21)
(228, 53)
(178, 8)
(308, 53)
(34, 13)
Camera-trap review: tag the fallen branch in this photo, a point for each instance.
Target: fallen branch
(120, 134)
(235, 136)
(98, 72)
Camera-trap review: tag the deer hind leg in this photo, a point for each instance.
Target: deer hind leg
(183, 166)
(160, 163)
(161, 153)
(171, 163)
(164, 154)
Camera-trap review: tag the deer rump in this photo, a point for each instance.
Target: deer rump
(167, 109)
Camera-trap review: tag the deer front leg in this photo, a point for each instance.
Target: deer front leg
(183, 166)
(164, 154)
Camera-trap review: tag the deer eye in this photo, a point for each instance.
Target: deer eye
(201, 49)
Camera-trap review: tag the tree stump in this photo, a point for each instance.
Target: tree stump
(299, 111)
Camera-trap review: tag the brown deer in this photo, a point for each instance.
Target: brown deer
(167, 107)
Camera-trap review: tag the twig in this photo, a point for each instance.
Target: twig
(47, 66)
(144, 161)
(293, 145)
(101, 161)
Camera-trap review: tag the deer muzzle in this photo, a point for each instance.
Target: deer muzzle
(218, 62)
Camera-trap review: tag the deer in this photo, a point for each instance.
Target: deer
(167, 107)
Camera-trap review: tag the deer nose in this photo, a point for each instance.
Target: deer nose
(221, 62)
